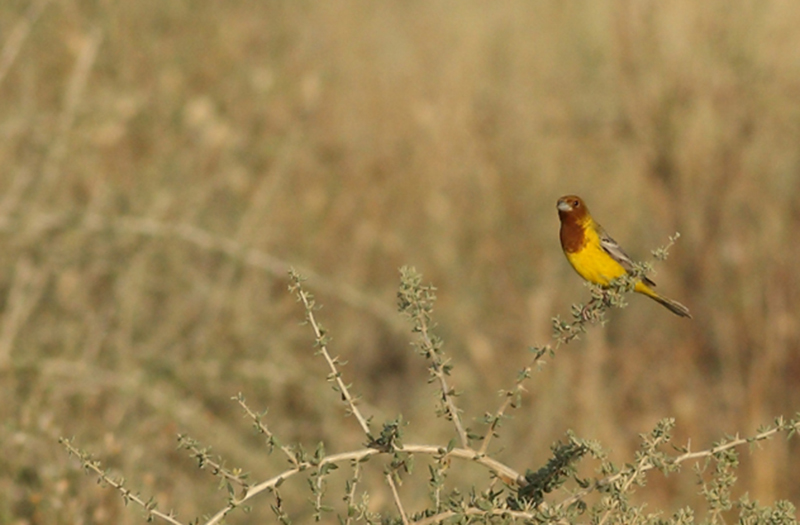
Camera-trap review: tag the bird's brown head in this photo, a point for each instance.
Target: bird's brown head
(571, 207)
(573, 213)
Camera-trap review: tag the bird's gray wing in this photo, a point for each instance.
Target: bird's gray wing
(613, 248)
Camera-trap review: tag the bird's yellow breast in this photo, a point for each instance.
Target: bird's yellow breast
(593, 263)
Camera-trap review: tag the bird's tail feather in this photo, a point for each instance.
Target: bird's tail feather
(673, 306)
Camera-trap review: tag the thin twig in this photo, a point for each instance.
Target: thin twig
(335, 375)
(416, 302)
(528, 517)
(509, 399)
(637, 470)
(351, 493)
(447, 394)
(396, 496)
(262, 427)
(117, 484)
(217, 468)
(761, 436)
(502, 471)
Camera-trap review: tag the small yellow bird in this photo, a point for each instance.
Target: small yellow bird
(596, 256)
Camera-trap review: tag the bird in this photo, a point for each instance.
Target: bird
(597, 257)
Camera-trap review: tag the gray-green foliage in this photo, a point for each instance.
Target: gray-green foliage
(576, 484)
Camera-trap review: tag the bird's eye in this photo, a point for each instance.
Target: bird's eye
(576, 203)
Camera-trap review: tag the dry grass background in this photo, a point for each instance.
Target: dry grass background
(162, 163)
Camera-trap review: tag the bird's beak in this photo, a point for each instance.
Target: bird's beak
(564, 206)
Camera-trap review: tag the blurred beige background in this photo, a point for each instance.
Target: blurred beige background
(163, 163)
